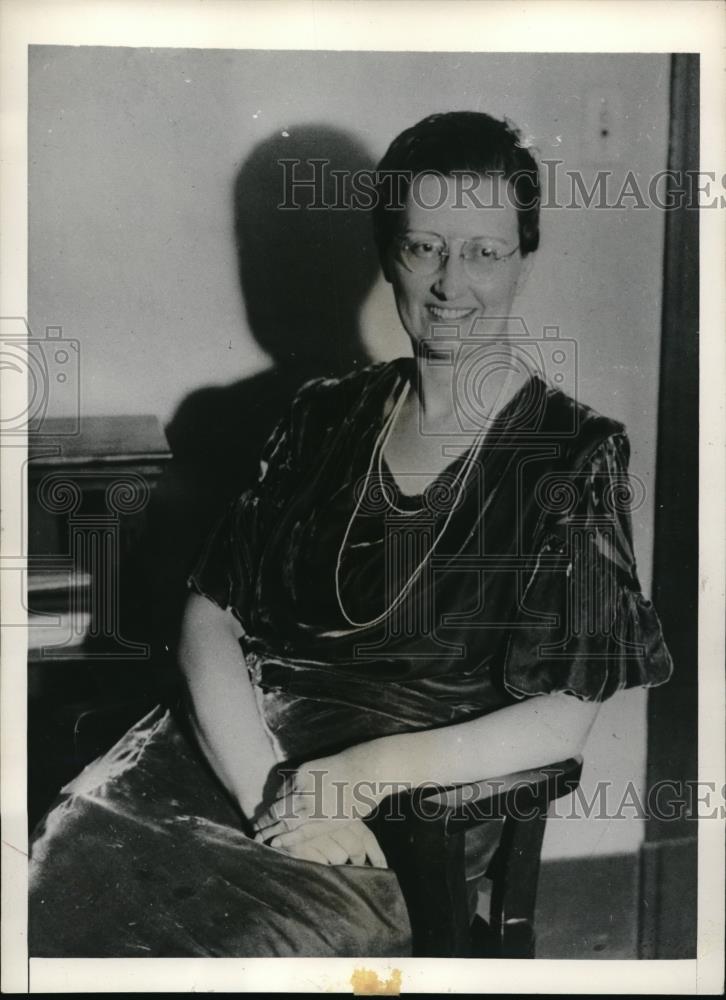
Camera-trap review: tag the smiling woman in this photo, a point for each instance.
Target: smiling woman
(456, 267)
(432, 580)
(455, 264)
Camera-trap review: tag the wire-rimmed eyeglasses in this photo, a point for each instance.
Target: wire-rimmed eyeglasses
(425, 253)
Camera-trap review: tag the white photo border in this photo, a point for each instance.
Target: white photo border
(451, 25)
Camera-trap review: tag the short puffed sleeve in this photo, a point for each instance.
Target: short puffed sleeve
(225, 570)
(582, 624)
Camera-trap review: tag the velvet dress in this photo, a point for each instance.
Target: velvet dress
(365, 612)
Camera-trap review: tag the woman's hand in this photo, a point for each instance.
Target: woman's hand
(329, 842)
(327, 788)
(318, 814)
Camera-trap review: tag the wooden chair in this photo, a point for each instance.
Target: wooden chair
(422, 836)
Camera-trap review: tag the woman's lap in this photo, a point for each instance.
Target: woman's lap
(142, 857)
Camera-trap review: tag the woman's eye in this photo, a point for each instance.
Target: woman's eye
(485, 253)
(424, 249)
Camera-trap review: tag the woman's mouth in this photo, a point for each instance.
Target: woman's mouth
(447, 314)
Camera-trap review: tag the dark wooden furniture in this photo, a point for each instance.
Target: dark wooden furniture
(422, 837)
(89, 489)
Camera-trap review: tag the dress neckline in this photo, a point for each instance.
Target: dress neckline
(405, 372)
(413, 500)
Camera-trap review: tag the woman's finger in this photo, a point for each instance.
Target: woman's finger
(296, 784)
(350, 839)
(333, 842)
(268, 819)
(332, 850)
(286, 838)
(308, 852)
(267, 828)
(302, 832)
(373, 849)
(292, 806)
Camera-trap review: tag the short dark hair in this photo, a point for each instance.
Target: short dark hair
(458, 142)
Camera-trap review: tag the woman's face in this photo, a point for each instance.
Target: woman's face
(450, 298)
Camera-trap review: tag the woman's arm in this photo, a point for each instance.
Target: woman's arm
(224, 711)
(539, 731)
(542, 730)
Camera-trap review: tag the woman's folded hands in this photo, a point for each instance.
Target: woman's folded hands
(318, 816)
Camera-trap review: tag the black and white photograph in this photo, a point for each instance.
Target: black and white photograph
(354, 578)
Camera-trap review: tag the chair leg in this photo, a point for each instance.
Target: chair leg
(484, 942)
(515, 872)
(430, 866)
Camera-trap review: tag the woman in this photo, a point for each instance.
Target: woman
(431, 581)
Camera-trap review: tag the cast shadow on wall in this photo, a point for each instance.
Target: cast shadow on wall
(305, 275)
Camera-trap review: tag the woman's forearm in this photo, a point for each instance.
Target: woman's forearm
(224, 710)
(540, 731)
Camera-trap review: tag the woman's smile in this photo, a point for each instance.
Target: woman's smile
(449, 313)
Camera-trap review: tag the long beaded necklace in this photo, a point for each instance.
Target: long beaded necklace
(460, 482)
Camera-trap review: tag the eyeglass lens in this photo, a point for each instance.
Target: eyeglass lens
(426, 255)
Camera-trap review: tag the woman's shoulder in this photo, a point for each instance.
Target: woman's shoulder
(336, 396)
(324, 408)
(580, 427)
(353, 380)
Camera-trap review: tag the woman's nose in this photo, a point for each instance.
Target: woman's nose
(450, 278)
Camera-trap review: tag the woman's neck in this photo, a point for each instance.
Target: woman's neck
(444, 384)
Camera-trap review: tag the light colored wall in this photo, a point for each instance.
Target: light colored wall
(133, 154)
